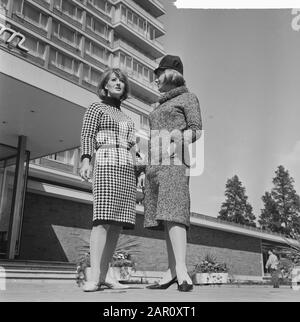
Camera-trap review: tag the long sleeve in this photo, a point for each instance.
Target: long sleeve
(191, 110)
(89, 130)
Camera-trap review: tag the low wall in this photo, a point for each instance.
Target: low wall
(55, 230)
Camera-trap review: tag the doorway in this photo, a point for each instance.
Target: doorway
(12, 197)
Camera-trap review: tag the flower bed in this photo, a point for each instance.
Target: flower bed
(209, 271)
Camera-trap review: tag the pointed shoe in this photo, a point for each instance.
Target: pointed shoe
(185, 287)
(114, 285)
(90, 287)
(164, 286)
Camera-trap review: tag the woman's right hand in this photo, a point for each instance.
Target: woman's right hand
(85, 170)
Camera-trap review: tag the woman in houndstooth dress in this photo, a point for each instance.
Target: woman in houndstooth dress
(109, 132)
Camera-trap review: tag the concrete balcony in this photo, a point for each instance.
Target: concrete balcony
(29, 24)
(43, 3)
(141, 39)
(139, 11)
(123, 46)
(101, 14)
(70, 19)
(138, 105)
(154, 7)
(142, 88)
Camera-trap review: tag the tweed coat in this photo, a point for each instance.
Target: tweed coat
(167, 196)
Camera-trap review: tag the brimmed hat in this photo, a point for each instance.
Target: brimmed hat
(170, 62)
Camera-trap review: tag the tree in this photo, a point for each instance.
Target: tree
(281, 212)
(236, 208)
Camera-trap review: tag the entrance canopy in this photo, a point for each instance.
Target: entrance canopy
(41, 106)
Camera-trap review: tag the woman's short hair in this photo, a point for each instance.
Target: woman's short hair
(173, 77)
(102, 92)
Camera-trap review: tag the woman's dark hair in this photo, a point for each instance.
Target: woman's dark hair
(102, 92)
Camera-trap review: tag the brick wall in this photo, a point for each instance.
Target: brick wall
(55, 229)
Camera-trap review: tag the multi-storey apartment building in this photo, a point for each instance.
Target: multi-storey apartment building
(53, 53)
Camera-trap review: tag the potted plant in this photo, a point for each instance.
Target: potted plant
(121, 266)
(209, 271)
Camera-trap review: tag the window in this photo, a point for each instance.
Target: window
(35, 46)
(95, 50)
(144, 122)
(96, 26)
(141, 25)
(3, 4)
(67, 34)
(135, 66)
(129, 17)
(18, 6)
(123, 13)
(64, 62)
(69, 9)
(122, 61)
(67, 157)
(128, 63)
(146, 73)
(100, 4)
(35, 16)
(140, 70)
(91, 75)
(95, 77)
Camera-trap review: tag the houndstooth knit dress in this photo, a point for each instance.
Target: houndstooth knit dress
(111, 133)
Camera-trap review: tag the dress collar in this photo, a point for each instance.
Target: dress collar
(111, 101)
(173, 93)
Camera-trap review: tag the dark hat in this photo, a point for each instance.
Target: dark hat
(170, 62)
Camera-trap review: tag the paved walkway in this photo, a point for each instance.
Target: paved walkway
(68, 291)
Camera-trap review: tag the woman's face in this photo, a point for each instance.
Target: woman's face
(160, 82)
(115, 86)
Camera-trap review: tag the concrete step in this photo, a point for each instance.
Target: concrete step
(37, 265)
(38, 270)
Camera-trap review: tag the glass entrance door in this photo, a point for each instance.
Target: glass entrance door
(7, 173)
(8, 201)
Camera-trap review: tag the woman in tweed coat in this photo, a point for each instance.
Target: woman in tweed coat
(110, 132)
(177, 122)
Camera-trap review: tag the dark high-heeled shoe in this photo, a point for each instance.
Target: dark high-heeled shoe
(164, 286)
(185, 287)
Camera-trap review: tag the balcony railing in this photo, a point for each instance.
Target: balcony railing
(95, 61)
(137, 77)
(70, 47)
(105, 16)
(143, 14)
(98, 37)
(129, 49)
(62, 72)
(30, 25)
(43, 3)
(68, 18)
(138, 31)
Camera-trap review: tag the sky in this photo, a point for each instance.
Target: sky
(244, 67)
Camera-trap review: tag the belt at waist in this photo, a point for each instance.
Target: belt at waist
(115, 146)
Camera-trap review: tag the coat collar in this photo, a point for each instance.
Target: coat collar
(173, 93)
